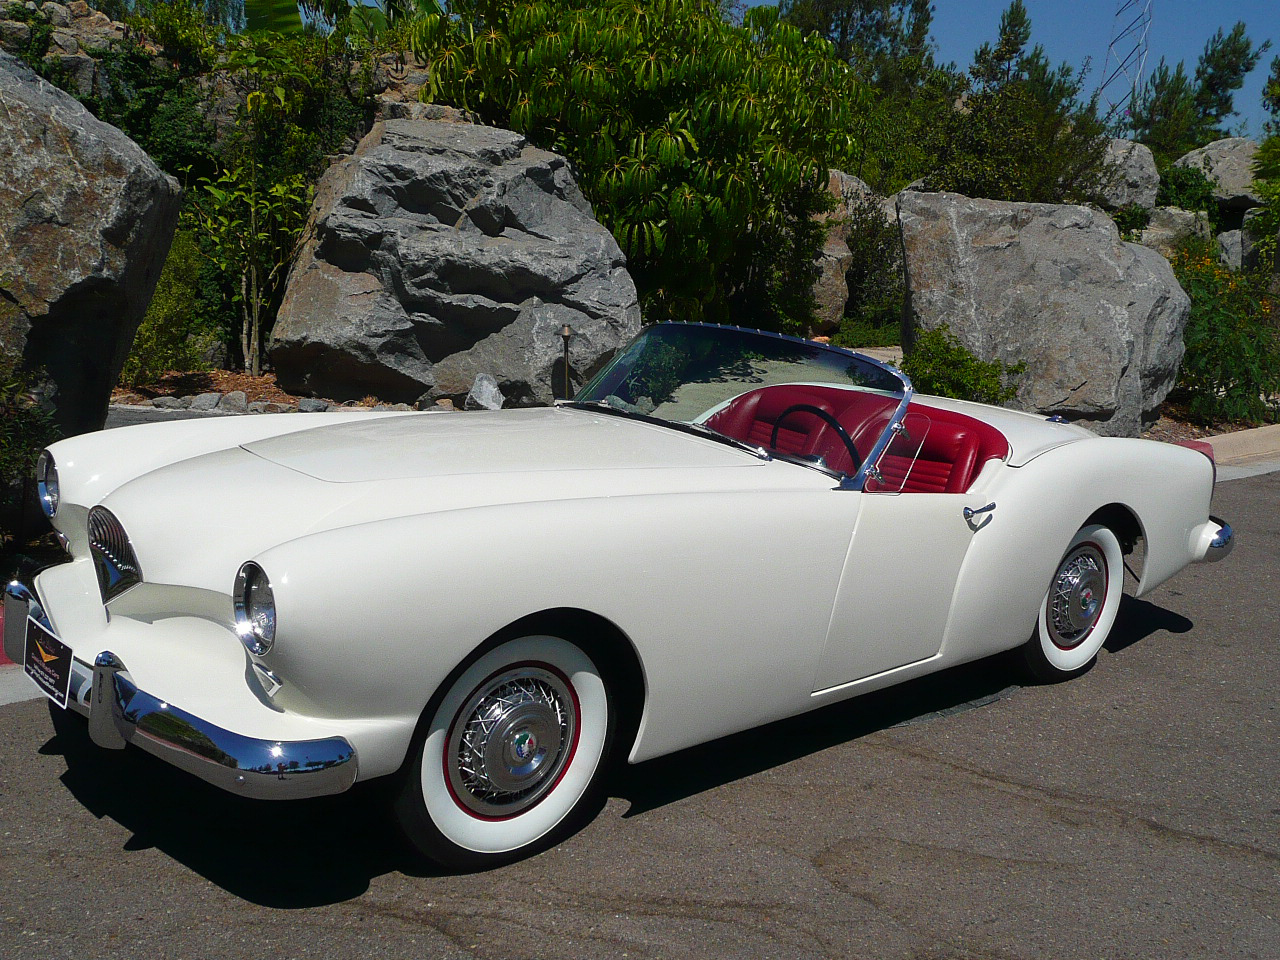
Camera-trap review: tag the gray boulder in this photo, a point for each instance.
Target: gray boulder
(86, 219)
(830, 289)
(439, 251)
(1229, 166)
(1098, 322)
(1132, 179)
(484, 394)
(1169, 227)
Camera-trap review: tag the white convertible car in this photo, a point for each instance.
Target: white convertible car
(491, 606)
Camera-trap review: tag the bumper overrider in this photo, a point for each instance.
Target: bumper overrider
(119, 713)
(1213, 541)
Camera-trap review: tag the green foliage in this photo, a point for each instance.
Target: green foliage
(1174, 113)
(1131, 220)
(1021, 134)
(1271, 98)
(253, 228)
(1265, 226)
(1188, 188)
(274, 16)
(873, 314)
(1231, 370)
(938, 364)
(702, 146)
(176, 332)
(25, 429)
(32, 50)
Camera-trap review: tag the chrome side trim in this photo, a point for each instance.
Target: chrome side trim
(263, 769)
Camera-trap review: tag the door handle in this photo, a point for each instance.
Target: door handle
(970, 513)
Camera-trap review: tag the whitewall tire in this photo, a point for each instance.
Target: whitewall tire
(1079, 607)
(510, 755)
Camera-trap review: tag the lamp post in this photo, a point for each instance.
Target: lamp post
(566, 332)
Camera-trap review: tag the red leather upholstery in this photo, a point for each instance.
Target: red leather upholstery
(955, 446)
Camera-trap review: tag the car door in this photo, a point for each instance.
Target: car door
(895, 593)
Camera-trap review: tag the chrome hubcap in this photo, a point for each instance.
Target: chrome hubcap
(1075, 602)
(510, 741)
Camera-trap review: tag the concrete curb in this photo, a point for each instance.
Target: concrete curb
(1246, 446)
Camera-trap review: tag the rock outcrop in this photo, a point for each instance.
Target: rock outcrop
(78, 37)
(1133, 180)
(1098, 322)
(86, 219)
(1169, 227)
(441, 251)
(1228, 165)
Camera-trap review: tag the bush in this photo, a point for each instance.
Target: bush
(702, 146)
(25, 429)
(938, 364)
(873, 314)
(1231, 370)
(175, 334)
(1131, 220)
(1265, 227)
(1188, 188)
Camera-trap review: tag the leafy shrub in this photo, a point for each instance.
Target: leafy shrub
(1188, 188)
(1131, 220)
(873, 314)
(175, 334)
(702, 146)
(1231, 370)
(939, 364)
(1265, 227)
(25, 429)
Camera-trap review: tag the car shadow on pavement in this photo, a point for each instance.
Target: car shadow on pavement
(667, 779)
(300, 853)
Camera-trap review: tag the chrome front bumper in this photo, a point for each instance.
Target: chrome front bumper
(119, 713)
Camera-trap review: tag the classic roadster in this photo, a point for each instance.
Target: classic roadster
(491, 606)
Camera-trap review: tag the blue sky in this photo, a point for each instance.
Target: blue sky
(1076, 30)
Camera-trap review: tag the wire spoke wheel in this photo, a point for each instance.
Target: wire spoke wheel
(1079, 607)
(509, 756)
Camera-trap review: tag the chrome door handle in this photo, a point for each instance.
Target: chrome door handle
(970, 513)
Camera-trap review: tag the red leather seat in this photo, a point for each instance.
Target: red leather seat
(953, 447)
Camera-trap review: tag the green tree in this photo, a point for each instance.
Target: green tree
(703, 146)
(1175, 113)
(1271, 97)
(1020, 132)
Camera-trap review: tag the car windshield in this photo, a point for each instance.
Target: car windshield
(764, 391)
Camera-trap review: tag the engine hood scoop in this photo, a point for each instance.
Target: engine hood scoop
(478, 443)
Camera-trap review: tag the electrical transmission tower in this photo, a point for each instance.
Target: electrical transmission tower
(1127, 55)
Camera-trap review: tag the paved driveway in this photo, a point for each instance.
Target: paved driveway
(1130, 813)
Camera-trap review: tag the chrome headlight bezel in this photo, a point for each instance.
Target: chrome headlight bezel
(47, 486)
(255, 609)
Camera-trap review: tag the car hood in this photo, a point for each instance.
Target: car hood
(485, 443)
(195, 521)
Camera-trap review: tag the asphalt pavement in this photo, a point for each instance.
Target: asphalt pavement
(1131, 813)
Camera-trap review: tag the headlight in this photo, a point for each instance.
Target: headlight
(47, 484)
(255, 609)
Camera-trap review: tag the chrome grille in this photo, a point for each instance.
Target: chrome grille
(113, 556)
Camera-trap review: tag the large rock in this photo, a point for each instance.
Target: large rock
(1170, 227)
(830, 289)
(1097, 322)
(86, 219)
(1132, 179)
(1229, 166)
(440, 251)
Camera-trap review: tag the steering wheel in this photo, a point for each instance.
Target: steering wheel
(831, 421)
